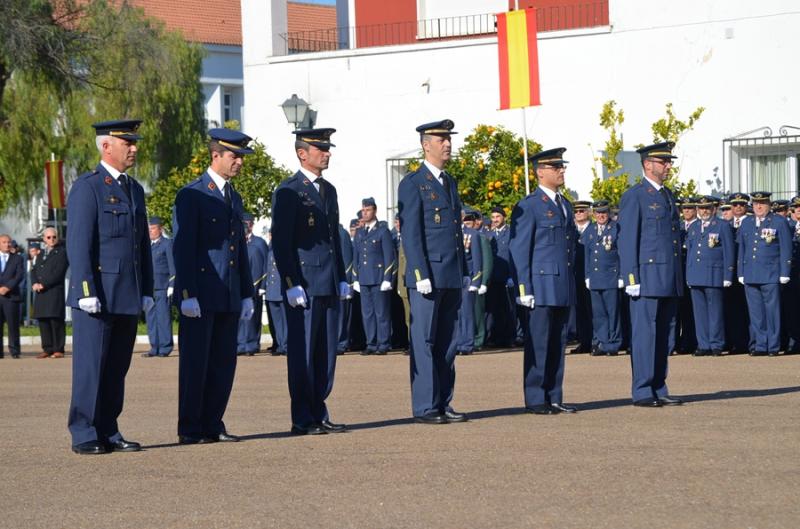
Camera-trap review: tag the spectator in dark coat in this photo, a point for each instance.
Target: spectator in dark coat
(47, 281)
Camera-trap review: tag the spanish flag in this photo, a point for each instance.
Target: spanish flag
(518, 59)
(54, 174)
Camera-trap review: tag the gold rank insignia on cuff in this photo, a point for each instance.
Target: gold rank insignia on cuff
(185, 294)
(521, 290)
(631, 279)
(86, 289)
(289, 283)
(417, 274)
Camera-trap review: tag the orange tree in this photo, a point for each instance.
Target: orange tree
(489, 168)
(256, 181)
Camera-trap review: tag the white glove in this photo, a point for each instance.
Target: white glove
(633, 290)
(465, 281)
(386, 286)
(356, 286)
(147, 303)
(344, 290)
(170, 290)
(90, 305)
(424, 286)
(783, 280)
(482, 290)
(741, 280)
(525, 301)
(620, 283)
(247, 309)
(261, 292)
(587, 282)
(190, 308)
(297, 296)
(472, 288)
(726, 283)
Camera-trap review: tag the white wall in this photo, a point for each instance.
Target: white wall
(735, 57)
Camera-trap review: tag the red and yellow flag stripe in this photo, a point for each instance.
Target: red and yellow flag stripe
(518, 59)
(54, 173)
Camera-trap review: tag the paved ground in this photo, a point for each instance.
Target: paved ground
(728, 459)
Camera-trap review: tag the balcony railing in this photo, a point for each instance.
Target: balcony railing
(553, 18)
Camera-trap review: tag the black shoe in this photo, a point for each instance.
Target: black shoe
(148, 355)
(612, 353)
(431, 418)
(367, 352)
(90, 448)
(454, 416)
(595, 352)
(563, 408)
(381, 352)
(312, 429)
(669, 401)
(252, 353)
(772, 353)
(648, 403)
(758, 353)
(541, 409)
(191, 440)
(702, 352)
(15, 355)
(225, 437)
(716, 352)
(331, 427)
(123, 446)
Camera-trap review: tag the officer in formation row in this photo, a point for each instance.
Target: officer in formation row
(221, 272)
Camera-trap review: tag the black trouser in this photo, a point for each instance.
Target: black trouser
(9, 313)
(52, 333)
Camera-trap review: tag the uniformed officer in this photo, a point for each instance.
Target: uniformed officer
(276, 305)
(580, 315)
(374, 268)
(249, 335)
(650, 261)
(345, 305)
(486, 269)
(473, 253)
(542, 246)
(500, 309)
(305, 239)
(781, 207)
(399, 303)
(216, 289)
(685, 334)
(602, 278)
(793, 290)
(159, 317)
(737, 319)
(764, 264)
(430, 223)
(710, 267)
(725, 211)
(111, 282)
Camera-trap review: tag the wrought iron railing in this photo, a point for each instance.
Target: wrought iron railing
(553, 18)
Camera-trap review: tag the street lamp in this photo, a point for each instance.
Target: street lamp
(296, 110)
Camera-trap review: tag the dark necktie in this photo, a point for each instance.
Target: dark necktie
(663, 192)
(321, 182)
(560, 205)
(445, 183)
(123, 182)
(226, 193)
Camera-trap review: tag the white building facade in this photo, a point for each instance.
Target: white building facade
(733, 57)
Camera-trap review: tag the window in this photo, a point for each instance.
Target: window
(226, 106)
(759, 161)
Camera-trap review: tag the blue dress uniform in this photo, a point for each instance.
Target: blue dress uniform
(765, 256)
(374, 264)
(212, 267)
(159, 316)
(276, 304)
(650, 256)
(543, 237)
(345, 305)
(305, 240)
(793, 292)
(249, 335)
(685, 334)
(580, 314)
(602, 269)
(737, 320)
(500, 308)
(430, 223)
(109, 251)
(473, 251)
(710, 262)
